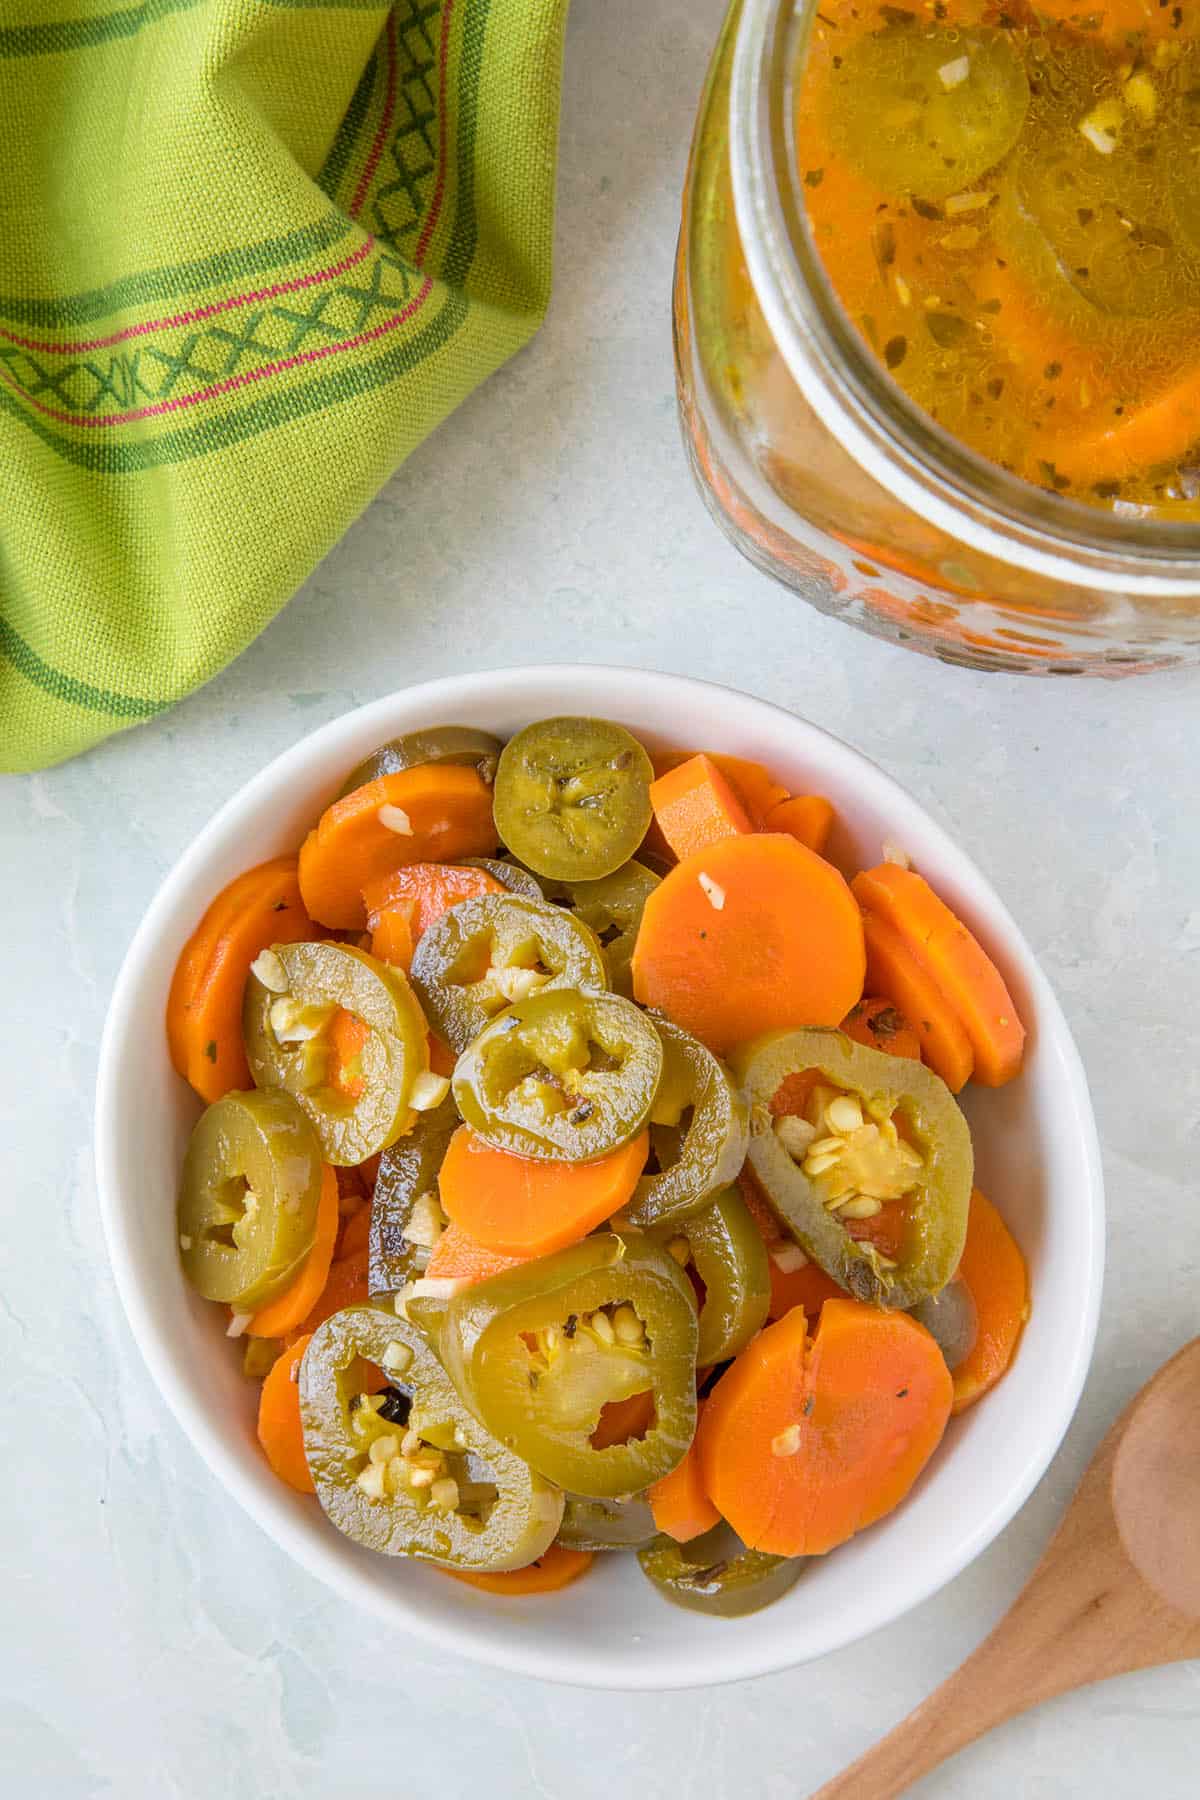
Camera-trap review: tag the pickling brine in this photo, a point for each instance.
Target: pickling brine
(1008, 207)
(937, 311)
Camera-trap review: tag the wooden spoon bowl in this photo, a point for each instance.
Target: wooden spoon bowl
(1117, 1589)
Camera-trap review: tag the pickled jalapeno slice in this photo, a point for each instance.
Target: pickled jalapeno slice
(345, 1035)
(487, 953)
(725, 1248)
(594, 1524)
(878, 1138)
(538, 1353)
(248, 1198)
(716, 1574)
(572, 798)
(436, 744)
(699, 1129)
(565, 1075)
(925, 110)
(412, 1472)
(509, 874)
(405, 1216)
(612, 907)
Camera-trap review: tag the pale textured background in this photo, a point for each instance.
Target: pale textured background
(154, 1643)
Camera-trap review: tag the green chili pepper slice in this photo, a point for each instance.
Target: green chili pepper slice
(372, 1455)
(714, 1574)
(436, 744)
(951, 1318)
(920, 109)
(591, 1524)
(564, 1075)
(572, 798)
(539, 1351)
(510, 875)
(486, 953)
(612, 907)
(699, 1127)
(725, 1248)
(895, 1135)
(286, 1029)
(406, 1186)
(248, 1198)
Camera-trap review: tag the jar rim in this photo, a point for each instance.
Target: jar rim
(934, 474)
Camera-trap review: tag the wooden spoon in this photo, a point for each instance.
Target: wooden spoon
(1117, 1589)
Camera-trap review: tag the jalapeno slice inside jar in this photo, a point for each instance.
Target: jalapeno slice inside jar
(715, 1574)
(869, 1133)
(927, 111)
(436, 744)
(345, 1035)
(248, 1198)
(487, 953)
(406, 1219)
(592, 1524)
(724, 1247)
(413, 1472)
(572, 798)
(699, 1128)
(539, 1352)
(565, 1075)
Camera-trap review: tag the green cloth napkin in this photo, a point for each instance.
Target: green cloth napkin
(251, 253)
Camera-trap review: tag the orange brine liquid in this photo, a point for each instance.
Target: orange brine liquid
(1007, 204)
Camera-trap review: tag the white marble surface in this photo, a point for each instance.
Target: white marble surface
(154, 1644)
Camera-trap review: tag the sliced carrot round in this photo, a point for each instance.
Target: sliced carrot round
(288, 1311)
(754, 785)
(555, 1568)
(880, 1025)
(440, 810)
(204, 1008)
(893, 970)
(279, 1430)
(753, 934)
(394, 934)
(522, 1207)
(806, 817)
(457, 1257)
(695, 806)
(963, 971)
(430, 888)
(994, 1270)
(679, 1503)
(805, 1442)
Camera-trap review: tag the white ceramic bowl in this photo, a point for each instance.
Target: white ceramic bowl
(1036, 1154)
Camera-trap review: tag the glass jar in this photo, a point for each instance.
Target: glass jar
(824, 475)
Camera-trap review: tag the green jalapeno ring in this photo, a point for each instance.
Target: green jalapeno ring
(572, 797)
(715, 1574)
(435, 744)
(712, 1148)
(604, 1525)
(408, 1172)
(510, 875)
(724, 1246)
(565, 1075)
(248, 1194)
(938, 1201)
(613, 908)
(283, 1033)
(475, 959)
(381, 1506)
(545, 1402)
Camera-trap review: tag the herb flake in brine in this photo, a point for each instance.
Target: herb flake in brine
(894, 351)
(947, 329)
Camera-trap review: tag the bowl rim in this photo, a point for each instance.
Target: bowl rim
(522, 1654)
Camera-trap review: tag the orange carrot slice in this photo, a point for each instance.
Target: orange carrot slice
(966, 976)
(289, 1309)
(431, 888)
(755, 786)
(880, 1025)
(679, 1503)
(457, 1257)
(806, 817)
(751, 935)
(695, 806)
(793, 1282)
(394, 934)
(994, 1270)
(555, 1568)
(419, 815)
(894, 972)
(355, 1233)
(279, 1430)
(204, 1008)
(1130, 437)
(522, 1207)
(621, 1420)
(346, 1285)
(347, 1034)
(805, 1441)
